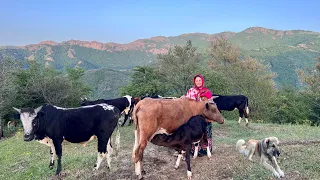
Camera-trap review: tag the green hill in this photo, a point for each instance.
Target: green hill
(105, 83)
(284, 51)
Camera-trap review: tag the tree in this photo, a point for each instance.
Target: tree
(221, 51)
(37, 85)
(178, 67)
(145, 81)
(7, 87)
(311, 77)
(245, 76)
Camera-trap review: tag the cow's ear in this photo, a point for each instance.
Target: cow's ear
(18, 110)
(214, 97)
(38, 109)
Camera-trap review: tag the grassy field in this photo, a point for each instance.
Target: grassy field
(300, 158)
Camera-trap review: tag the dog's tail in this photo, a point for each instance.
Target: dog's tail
(8, 124)
(241, 148)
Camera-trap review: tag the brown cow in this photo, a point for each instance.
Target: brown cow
(155, 116)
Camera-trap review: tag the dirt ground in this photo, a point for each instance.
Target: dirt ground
(159, 163)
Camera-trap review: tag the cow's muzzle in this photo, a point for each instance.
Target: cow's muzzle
(28, 137)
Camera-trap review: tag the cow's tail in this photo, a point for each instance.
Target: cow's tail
(246, 111)
(118, 137)
(136, 148)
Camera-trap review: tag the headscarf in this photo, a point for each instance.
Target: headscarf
(202, 90)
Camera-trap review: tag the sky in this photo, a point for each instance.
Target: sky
(25, 22)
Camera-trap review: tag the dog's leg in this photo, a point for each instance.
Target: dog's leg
(251, 149)
(275, 164)
(269, 167)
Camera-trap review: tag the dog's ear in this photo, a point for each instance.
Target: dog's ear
(266, 142)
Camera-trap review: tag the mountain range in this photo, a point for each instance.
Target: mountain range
(284, 50)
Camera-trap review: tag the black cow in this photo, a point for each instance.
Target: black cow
(51, 125)
(192, 132)
(124, 104)
(230, 103)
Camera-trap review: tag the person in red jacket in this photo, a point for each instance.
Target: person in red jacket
(199, 92)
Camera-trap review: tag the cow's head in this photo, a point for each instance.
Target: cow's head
(211, 112)
(29, 121)
(130, 105)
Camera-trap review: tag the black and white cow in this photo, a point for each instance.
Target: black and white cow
(125, 104)
(51, 125)
(192, 132)
(230, 103)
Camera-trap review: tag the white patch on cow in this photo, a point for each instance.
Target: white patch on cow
(189, 174)
(48, 142)
(27, 119)
(106, 106)
(136, 140)
(129, 100)
(137, 167)
(160, 131)
(208, 152)
(99, 160)
(196, 150)
(178, 161)
(103, 105)
(235, 108)
(239, 121)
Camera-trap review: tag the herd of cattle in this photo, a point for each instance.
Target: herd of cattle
(165, 121)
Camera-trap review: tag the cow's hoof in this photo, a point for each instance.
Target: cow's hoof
(140, 177)
(51, 165)
(247, 124)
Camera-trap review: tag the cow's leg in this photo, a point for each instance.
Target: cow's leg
(206, 140)
(196, 150)
(109, 152)
(130, 121)
(137, 164)
(138, 158)
(58, 147)
(53, 156)
(125, 119)
(138, 155)
(48, 142)
(179, 159)
(246, 115)
(240, 116)
(189, 173)
(102, 143)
